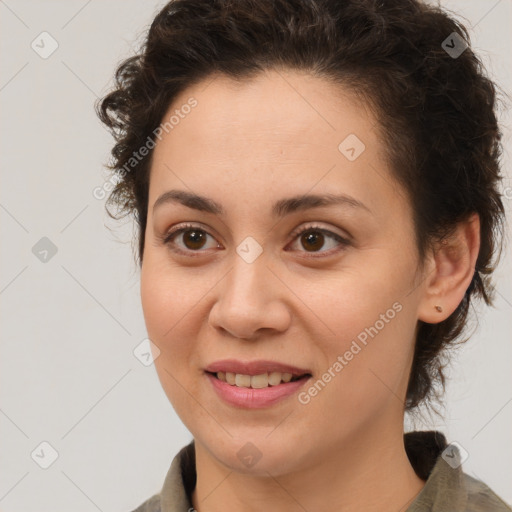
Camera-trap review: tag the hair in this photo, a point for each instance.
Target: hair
(436, 114)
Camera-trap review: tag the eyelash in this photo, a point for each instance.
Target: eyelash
(167, 239)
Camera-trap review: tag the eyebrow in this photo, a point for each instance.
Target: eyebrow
(280, 208)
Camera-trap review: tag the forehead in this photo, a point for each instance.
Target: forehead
(275, 108)
(279, 130)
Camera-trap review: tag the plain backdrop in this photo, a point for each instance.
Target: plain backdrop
(69, 287)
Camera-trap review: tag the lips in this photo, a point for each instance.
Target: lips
(256, 367)
(255, 384)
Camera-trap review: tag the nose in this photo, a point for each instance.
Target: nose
(251, 301)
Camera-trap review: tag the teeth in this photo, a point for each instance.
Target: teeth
(254, 381)
(274, 378)
(242, 381)
(259, 381)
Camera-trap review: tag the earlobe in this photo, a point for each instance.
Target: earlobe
(453, 260)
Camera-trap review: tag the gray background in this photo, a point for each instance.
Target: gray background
(69, 325)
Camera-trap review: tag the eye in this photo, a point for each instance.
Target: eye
(313, 238)
(193, 239)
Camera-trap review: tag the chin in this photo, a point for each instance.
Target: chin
(253, 451)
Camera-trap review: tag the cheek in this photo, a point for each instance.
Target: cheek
(352, 301)
(364, 375)
(168, 306)
(167, 296)
(169, 301)
(368, 337)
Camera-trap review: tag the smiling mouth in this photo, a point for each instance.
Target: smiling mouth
(263, 380)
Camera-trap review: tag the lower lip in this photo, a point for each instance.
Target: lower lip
(255, 398)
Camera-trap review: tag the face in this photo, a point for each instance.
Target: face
(326, 291)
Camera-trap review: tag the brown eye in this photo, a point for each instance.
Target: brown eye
(194, 239)
(189, 239)
(313, 240)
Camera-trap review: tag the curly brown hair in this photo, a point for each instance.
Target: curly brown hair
(436, 112)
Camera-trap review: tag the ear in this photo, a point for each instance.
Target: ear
(451, 269)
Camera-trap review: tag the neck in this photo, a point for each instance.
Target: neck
(370, 473)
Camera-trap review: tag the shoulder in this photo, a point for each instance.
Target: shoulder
(150, 505)
(482, 498)
(447, 487)
(178, 484)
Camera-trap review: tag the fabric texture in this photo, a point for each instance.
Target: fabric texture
(447, 487)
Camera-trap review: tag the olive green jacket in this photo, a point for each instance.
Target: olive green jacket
(447, 487)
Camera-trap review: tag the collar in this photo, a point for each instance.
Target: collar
(446, 487)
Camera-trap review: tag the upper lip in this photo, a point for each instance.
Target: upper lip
(256, 367)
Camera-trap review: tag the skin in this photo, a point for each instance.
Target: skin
(246, 145)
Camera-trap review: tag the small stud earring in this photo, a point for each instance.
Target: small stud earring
(439, 309)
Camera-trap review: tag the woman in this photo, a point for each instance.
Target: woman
(316, 190)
